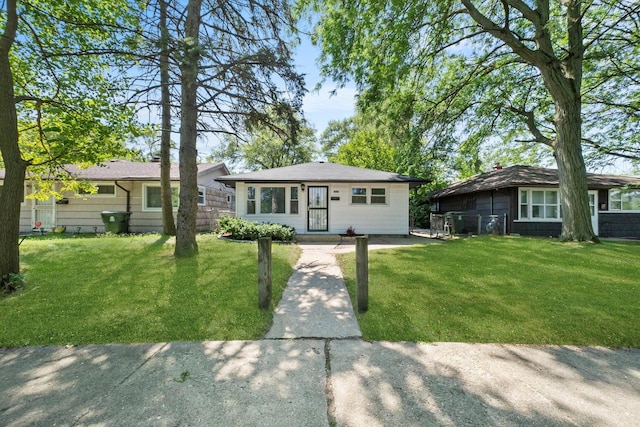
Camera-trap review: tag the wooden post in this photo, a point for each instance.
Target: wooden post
(362, 273)
(264, 273)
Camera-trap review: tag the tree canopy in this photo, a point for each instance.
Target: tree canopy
(61, 93)
(278, 143)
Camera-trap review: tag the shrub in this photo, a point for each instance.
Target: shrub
(241, 229)
(11, 283)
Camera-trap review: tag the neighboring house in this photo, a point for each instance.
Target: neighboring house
(124, 186)
(325, 198)
(529, 198)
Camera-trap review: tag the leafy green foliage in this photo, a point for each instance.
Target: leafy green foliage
(82, 290)
(70, 83)
(241, 229)
(11, 283)
(274, 143)
(472, 94)
(503, 290)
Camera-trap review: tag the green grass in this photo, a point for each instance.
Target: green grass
(503, 290)
(131, 289)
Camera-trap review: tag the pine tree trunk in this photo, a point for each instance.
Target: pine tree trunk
(168, 224)
(187, 211)
(15, 168)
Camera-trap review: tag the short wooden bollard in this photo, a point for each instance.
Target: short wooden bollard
(264, 273)
(362, 273)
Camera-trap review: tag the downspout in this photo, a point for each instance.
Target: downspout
(128, 195)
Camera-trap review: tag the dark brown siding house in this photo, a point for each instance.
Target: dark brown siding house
(528, 196)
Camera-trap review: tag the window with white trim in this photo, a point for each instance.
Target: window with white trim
(624, 200)
(152, 197)
(293, 201)
(102, 190)
(272, 200)
(369, 195)
(539, 205)
(378, 196)
(251, 200)
(202, 191)
(359, 196)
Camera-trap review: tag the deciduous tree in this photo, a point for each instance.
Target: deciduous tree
(59, 97)
(282, 142)
(563, 74)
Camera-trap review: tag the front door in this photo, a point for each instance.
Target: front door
(593, 209)
(44, 213)
(317, 208)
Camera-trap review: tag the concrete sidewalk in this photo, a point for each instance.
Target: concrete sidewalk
(323, 376)
(318, 383)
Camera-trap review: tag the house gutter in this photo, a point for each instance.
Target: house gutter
(128, 195)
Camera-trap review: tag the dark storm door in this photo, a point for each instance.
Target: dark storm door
(317, 209)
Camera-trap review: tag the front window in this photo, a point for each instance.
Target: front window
(359, 196)
(538, 204)
(102, 190)
(272, 200)
(378, 196)
(251, 200)
(624, 200)
(153, 197)
(293, 202)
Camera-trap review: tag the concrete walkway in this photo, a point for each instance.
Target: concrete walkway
(318, 378)
(315, 303)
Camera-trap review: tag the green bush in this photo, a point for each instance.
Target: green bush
(241, 229)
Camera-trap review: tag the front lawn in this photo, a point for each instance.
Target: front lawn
(130, 289)
(503, 290)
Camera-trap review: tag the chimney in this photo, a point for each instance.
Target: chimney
(497, 166)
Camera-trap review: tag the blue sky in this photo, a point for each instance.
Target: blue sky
(319, 106)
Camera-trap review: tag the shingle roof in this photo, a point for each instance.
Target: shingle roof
(124, 170)
(516, 176)
(321, 172)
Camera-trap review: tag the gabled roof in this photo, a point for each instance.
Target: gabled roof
(321, 172)
(519, 176)
(124, 170)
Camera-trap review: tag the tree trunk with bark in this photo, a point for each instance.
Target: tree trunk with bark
(572, 175)
(187, 211)
(563, 78)
(12, 192)
(168, 224)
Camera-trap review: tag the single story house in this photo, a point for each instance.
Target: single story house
(325, 198)
(528, 196)
(128, 187)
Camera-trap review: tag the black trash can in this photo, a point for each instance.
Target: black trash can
(116, 221)
(456, 221)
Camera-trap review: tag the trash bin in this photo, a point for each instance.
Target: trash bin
(116, 221)
(455, 221)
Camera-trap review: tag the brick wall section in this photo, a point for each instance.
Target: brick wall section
(217, 205)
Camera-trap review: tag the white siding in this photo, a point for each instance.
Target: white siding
(85, 211)
(298, 221)
(390, 218)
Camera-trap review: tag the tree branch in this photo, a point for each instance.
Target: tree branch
(531, 56)
(531, 124)
(609, 151)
